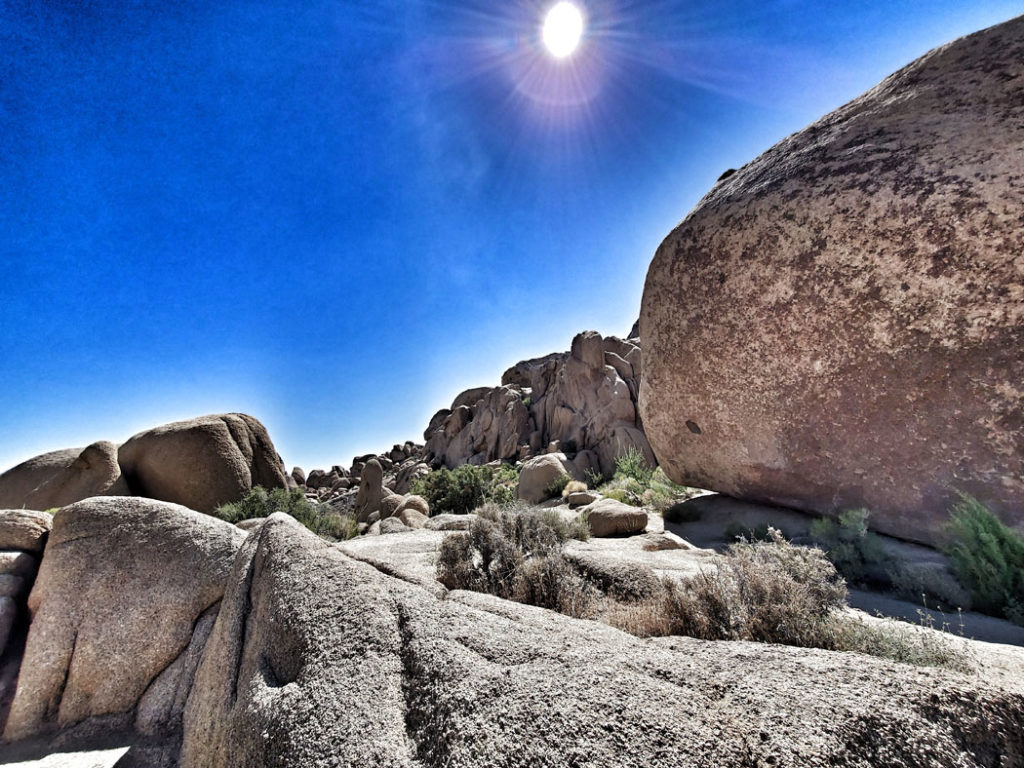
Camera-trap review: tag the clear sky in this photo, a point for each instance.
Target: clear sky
(337, 215)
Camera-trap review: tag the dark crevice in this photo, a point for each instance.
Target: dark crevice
(53, 705)
(415, 697)
(212, 607)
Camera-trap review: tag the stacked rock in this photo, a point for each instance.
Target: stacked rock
(23, 536)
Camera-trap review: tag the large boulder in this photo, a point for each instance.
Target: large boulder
(63, 477)
(840, 323)
(541, 473)
(317, 659)
(118, 596)
(203, 462)
(608, 517)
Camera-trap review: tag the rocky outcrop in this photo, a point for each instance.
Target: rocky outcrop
(23, 535)
(840, 323)
(63, 477)
(202, 463)
(582, 403)
(308, 641)
(117, 616)
(24, 529)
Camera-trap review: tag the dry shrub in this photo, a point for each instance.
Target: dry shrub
(516, 555)
(770, 592)
(573, 486)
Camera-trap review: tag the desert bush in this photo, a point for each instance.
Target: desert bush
(936, 587)
(988, 558)
(557, 486)
(516, 555)
(848, 544)
(319, 518)
(772, 592)
(464, 488)
(776, 592)
(633, 464)
(902, 642)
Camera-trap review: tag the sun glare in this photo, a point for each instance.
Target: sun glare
(563, 28)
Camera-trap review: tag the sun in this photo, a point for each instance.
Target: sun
(563, 28)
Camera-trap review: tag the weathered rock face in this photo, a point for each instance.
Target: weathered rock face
(580, 402)
(308, 641)
(840, 323)
(118, 596)
(202, 463)
(63, 477)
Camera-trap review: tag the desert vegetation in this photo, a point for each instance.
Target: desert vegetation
(463, 489)
(319, 518)
(636, 483)
(763, 591)
(988, 559)
(517, 555)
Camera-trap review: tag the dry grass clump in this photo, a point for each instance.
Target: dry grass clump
(774, 592)
(517, 555)
(770, 592)
(573, 486)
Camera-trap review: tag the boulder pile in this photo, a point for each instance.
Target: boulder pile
(582, 403)
(200, 463)
(23, 535)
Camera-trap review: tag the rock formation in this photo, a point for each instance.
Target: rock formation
(63, 477)
(582, 403)
(150, 619)
(119, 597)
(840, 323)
(202, 463)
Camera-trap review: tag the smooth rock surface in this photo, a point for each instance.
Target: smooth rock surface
(539, 473)
(203, 462)
(115, 602)
(840, 323)
(608, 517)
(309, 641)
(63, 477)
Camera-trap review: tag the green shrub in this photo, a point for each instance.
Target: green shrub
(555, 488)
(848, 543)
(633, 464)
(594, 479)
(516, 555)
(987, 558)
(465, 488)
(319, 518)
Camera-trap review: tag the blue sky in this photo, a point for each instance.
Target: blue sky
(337, 215)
